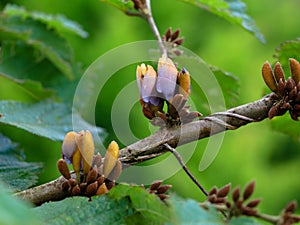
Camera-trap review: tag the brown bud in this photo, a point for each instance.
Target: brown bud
(298, 86)
(100, 180)
(76, 190)
(253, 203)
(102, 189)
(294, 115)
(179, 41)
(278, 72)
(274, 111)
(212, 198)
(72, 182)
(175, 34)
(295, 70)
(298, 97)
(268, 76)
(162, 196)
(162, 189)
(291, 207)
(236, 194)
(100, 170)
(97, 160)
(65, 186)
(296, 107)
(109, 184)
(281, 85)
(91, 189)
(223, 192)
(293, 94)
(116, 172)
(290, 84)
(155, 184)
(83, 187)
(111, 158)
(63, 168)
(219, 200)
(248, 211)
(249, 190)
(213, 191)
(168, 34)
(92, 175)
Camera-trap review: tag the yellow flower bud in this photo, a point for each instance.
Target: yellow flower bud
(184, 83)
(85, 143)
(111, 158)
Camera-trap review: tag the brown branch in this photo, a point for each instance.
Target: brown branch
(155, 145)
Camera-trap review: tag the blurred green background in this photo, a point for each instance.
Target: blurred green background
(253, 152)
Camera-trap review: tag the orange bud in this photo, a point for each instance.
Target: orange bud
(184, 82)
(102, 189)
(268, 76)
(295, 70)
(111, 158)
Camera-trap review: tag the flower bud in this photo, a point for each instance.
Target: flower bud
(167, 76)
(69, 146)
(85, 143)
(111, 158)
(184, 83)
(146, 80)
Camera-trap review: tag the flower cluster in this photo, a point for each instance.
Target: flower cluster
(287, 92)
(166, 86)
(93, 175)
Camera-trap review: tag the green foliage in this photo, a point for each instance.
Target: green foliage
(287, 126)
(233, 11)
(123, 205)
(31, 89)
(16, 173)
(46, 118)
(126, 6)
(14, 211)
(39, 32)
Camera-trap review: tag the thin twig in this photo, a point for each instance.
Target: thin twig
(188, 172)
(152, 24)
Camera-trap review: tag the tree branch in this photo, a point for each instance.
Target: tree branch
(155, 145)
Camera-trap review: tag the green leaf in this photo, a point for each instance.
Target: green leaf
(47, 119)
(188, 212)
(148, 207)
(124, 204)
(233, 11)
(57, 22)
(20, 32)
(126, 6)
(286, 50)
(14, 211)
(28, 89)
(230, 86)
(78, 210)
(18, 174)
(243, 220)
(286, 125)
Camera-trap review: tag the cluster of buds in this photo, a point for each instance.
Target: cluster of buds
(166, 86)
(158, 189)
(172, 41)
(239, 205)
(92, 174)
(287, 92)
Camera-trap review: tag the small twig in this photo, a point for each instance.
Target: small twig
(153, 26)
(188, 172)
